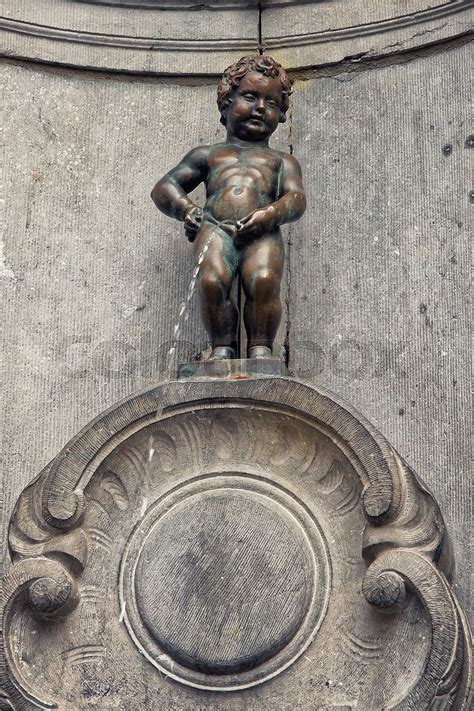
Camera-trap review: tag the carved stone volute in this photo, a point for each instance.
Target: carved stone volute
(217, 536)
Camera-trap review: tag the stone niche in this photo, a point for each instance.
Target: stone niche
(247, 543)
(139, 38)
(186, 37)
(226, 543)
(316, 33)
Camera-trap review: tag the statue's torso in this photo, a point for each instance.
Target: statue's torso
(241, 180)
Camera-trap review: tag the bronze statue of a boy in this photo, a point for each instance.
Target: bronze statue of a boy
(251, 191)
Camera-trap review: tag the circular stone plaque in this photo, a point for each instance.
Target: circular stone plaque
(225, 581)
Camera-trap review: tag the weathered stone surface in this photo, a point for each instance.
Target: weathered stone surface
(186, 41)
(187, 37)
(249, 536)
(86, 323)
(379, 267)
(92, 275)
(377, 307)
(229, 585)
(305, 34)
(176, 4)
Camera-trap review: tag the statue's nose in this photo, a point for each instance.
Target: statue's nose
(260, 106)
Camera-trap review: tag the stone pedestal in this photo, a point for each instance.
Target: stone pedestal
(232, 369)
(215, 538)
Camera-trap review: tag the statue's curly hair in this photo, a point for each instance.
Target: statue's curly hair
(234, 74)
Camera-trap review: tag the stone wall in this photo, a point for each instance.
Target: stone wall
(380, 263)
(377, 296)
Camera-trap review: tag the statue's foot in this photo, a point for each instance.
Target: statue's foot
(260, 352)
(222, 353)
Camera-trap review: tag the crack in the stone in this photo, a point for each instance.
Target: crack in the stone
(287, 343)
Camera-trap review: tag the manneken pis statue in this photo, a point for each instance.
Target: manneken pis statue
(251, 190)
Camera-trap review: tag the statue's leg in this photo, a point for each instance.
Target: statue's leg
(216, 275)
(262, 269)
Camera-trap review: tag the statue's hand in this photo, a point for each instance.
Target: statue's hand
(255, 224)
(192, 222)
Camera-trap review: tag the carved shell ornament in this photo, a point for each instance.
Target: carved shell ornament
(208, 540)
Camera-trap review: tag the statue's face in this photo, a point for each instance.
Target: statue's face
(254, 112)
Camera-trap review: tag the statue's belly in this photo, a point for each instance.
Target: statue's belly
(235, 200)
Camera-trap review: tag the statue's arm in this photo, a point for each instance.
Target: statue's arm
(170, 194)
(292, 204)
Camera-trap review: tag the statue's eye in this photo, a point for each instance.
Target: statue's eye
(271, 102)
(249, 97)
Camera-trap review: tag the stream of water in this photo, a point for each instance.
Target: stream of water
(228, 226)
(184, 308)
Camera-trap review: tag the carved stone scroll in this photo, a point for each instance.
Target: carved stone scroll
(215, 544)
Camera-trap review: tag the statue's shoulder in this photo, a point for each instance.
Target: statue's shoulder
(288, 158)
(198, 153)
(204, 152)
(289, 163)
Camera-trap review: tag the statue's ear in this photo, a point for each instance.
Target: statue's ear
(282, 117)
(224, 112)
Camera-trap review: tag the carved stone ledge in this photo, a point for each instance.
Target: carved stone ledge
(124, 38)
(175, 4)
(251, 536)
(320, 33)
(192, 38)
